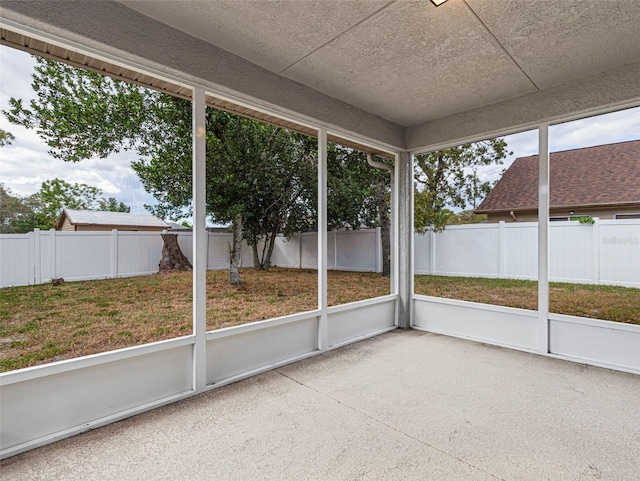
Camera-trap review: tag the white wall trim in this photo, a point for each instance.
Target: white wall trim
(364, 303)
(477, 305)
(254, 326)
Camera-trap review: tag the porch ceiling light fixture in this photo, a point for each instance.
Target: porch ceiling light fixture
(437, 3)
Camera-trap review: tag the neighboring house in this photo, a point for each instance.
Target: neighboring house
(601, 181)
(84, 220)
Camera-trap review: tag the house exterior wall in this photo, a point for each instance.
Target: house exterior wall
(603, 213)
(67, 226)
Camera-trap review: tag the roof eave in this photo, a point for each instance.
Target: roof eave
(561, 206)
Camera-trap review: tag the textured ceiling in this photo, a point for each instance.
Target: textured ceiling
(408, 61)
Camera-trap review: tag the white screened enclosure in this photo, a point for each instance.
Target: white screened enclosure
(44, 403)
(328, 88)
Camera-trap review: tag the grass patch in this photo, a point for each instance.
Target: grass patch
(45, 323)
(612, 303)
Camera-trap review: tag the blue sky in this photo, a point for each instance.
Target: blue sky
(26, 164)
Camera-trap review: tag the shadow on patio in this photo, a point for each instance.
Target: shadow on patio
(403, 405)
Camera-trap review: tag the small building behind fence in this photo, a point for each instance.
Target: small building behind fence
(88, 220)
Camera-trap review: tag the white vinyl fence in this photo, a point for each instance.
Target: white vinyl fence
(40, 256)
(607, 252)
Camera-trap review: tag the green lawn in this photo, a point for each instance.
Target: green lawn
(44, 323)
(612, 303)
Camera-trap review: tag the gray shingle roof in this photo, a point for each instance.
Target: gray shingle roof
(89, 217)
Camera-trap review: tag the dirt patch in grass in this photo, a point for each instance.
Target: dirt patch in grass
(45, 323)
(612, 303)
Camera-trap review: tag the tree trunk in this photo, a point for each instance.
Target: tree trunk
(235, 251)
(385, 229)
(172, 257)
(272, 243)
(256, 256)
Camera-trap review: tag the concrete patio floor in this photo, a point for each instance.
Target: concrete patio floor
(405, 405)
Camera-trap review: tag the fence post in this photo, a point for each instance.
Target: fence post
(595, 251)
(114, 253)
(52, 254)
(335, 250)
(432, 251)
(31, 268)
(502, 250)
(37, 255)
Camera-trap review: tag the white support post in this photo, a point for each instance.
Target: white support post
(322, 240)
(543, 239)
(378, 250)
(37, 255)
(199, 241)
(595, 251)
(114, 253)
(502, 251)
(52, 254)
(394, 233)
(404, 178)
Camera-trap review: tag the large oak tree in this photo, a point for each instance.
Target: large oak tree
(448, 179)
(260, 178)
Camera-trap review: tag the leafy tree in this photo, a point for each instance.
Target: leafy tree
(255, 175)
(16, 212)
(21, 214)
(56, 194)
(81, 114)
(351, 188)
(358, 195)
(260, 178)
(466, 217)
(6, 138)
(112, 205)
(448, 178)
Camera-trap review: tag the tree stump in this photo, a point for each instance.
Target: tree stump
(172, 257)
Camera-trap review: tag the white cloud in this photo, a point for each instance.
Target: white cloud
(603, 129)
